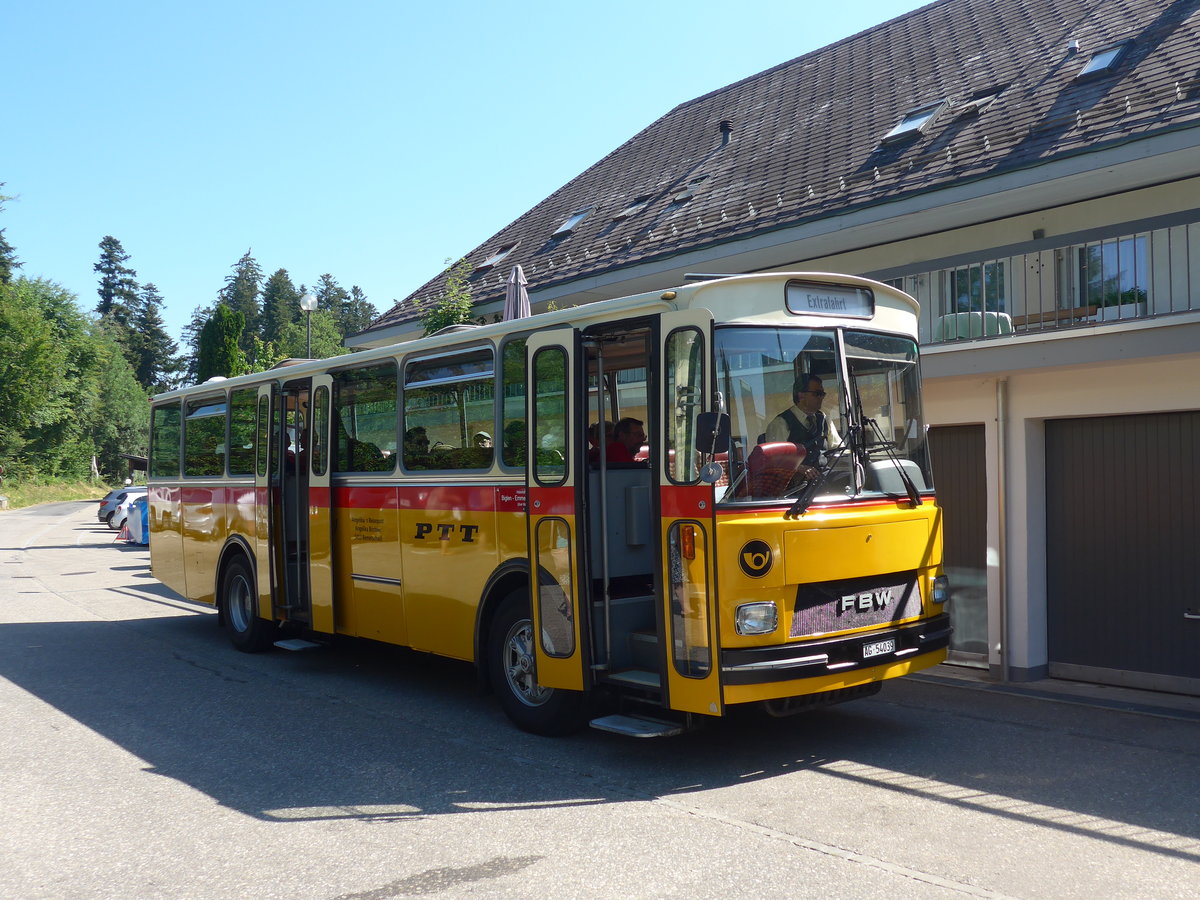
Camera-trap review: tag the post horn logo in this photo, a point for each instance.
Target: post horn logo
(755, 558)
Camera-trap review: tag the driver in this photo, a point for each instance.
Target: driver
(803, 423)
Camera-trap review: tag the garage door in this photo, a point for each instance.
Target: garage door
(960, 478)
(1123, 531)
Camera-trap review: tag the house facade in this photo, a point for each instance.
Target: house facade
(1029, 170)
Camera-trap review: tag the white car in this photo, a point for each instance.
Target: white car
(115, 508)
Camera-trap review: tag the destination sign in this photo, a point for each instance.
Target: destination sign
(809, 299)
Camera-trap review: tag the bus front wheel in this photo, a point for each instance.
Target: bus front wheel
(239, 601)
(530, 706)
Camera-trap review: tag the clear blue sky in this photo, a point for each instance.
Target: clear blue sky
(370, 140)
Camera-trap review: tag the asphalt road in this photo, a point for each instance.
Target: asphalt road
(141, 756)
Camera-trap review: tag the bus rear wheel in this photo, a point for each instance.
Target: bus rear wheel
(513, 670)
(239, 602)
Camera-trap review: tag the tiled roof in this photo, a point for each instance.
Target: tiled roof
(804, 136)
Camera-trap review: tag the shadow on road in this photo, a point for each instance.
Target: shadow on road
(366, 731)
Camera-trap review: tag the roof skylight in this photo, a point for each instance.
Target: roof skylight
(496, 258)
(1104, 60)
(914, 122)
(572, 223)
(636, 206)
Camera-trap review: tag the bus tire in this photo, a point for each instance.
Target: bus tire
(239, 603)
(531, 707)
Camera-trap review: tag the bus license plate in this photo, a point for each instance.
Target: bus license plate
(878, 648)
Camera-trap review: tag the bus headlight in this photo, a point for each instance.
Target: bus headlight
(941, 589)
(756, 618)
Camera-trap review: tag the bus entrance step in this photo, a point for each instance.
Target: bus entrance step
(296, 644)
(637, 677)
(635, 726)
(643, 649)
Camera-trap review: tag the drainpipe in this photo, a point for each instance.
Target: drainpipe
(1002, 518)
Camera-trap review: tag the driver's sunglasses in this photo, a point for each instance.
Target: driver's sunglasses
(814, 393)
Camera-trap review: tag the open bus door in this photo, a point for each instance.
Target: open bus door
(304, 538)
(552, 472)
(320, 507)
(686, 501)
(264, 526)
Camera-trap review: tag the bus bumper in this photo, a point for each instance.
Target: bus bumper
(826, 664)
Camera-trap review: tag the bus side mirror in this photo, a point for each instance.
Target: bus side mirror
(712, 433)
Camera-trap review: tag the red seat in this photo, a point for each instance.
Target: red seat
(770, 468)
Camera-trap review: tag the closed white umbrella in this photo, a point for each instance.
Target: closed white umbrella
(516, 295)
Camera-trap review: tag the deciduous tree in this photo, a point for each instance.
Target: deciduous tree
(454, 306)
(326, 338)
(220, 353)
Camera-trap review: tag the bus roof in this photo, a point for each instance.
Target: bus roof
(755, 299)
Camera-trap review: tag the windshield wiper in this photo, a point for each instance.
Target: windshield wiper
(889, 448)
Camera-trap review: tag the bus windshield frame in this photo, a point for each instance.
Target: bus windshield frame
(875, 443)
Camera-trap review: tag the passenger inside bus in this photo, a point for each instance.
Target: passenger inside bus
(594, 440)
(353, 455)
(416, 448)
(628, 437)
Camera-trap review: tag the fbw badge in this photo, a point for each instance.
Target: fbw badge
(755, 558)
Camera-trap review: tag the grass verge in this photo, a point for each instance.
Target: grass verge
(21, 494)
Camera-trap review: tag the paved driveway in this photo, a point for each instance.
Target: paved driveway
(141, 756)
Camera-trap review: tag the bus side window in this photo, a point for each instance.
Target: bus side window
(364, 419)
(448, 402)
(165, 431)
(512, 400)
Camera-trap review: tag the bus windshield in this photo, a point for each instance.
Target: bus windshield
(803, 416)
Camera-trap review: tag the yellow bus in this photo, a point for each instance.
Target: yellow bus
(460, 494)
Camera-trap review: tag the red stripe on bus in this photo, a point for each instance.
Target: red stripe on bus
(556, 501)
(202, 494)
(375, 497)
(686, 501)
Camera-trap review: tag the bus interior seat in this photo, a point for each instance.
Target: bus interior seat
(771, 468)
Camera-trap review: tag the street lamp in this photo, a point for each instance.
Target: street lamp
(308, 303)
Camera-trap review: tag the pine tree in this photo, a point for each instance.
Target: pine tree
(157, 355)
(190, 365)
(240, 294)
(332, 298)
(118, 289)
(280, 305)
(359, 313)
(8, 259)
(8, 256)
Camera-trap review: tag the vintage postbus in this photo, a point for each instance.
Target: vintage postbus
(460, 495)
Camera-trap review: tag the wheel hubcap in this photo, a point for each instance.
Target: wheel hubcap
(519, 668)
(241, 604)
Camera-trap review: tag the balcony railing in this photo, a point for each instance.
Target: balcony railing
(1126, 277)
